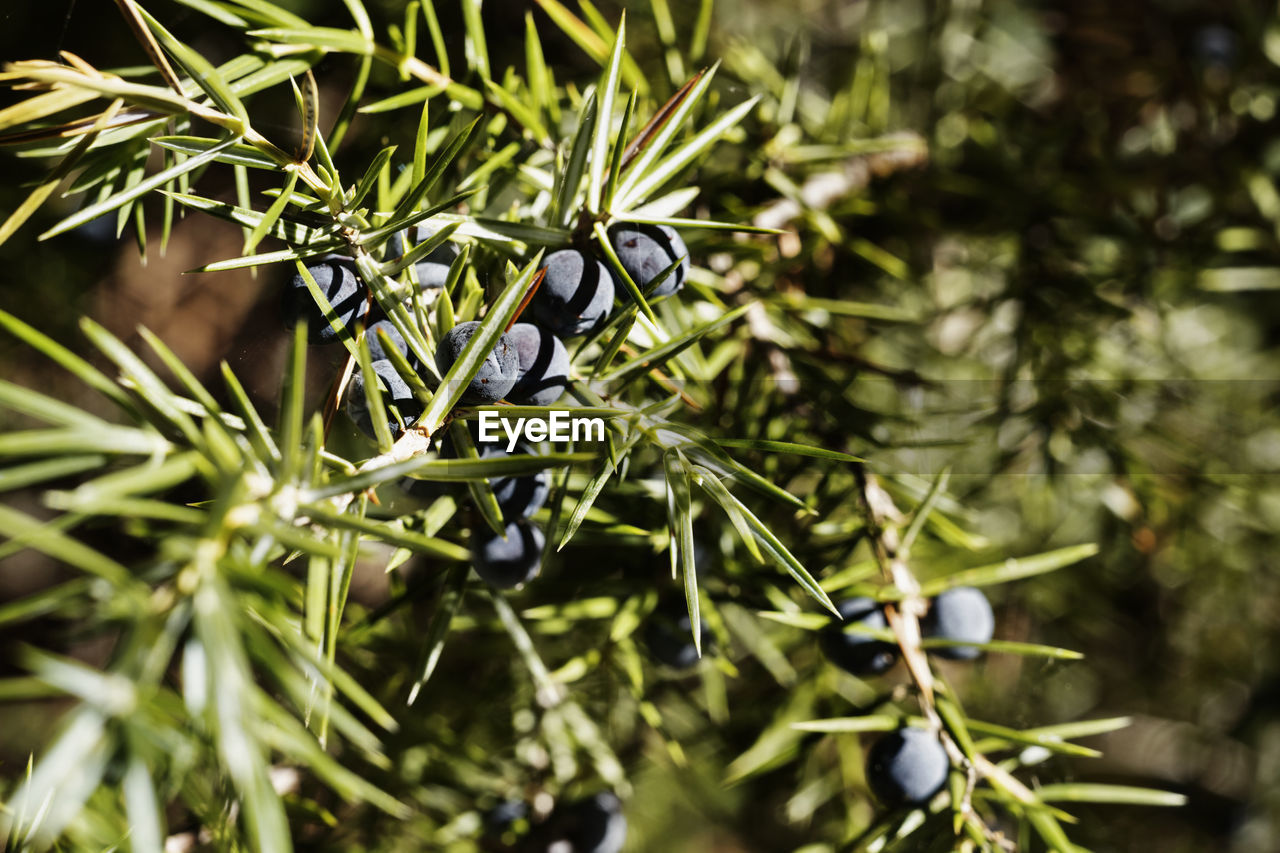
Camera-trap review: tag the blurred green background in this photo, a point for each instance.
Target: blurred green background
(1092, 251)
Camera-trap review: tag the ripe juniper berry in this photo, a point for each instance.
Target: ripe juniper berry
(907, 767)
(855, 653)
(497, 374)
(647, 250)
(336, 277)
(592, 825)
(962, 614)
(395, 394)
(511, 561)
(544, 365)
(433, 269)
(575, 297)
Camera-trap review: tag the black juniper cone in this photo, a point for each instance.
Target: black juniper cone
(498, 372)
(907, 767)
(336, 277)
(518, 497)
(432, 270)
(374, 335)
(592, 825)
(544, 366)
(962, 614)
(647, 250)
(397, 399)
(576, 295)
(521, 497)
(511, 561)
(859, 654)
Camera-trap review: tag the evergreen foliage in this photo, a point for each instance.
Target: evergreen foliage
(249, 704)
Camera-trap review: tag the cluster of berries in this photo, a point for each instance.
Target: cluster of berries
(910, 765)
(338, 280)
(576, 298)
(529, 364)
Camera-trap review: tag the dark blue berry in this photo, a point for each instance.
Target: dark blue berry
(336, 277)
(521, 497)
(592, 825)
(377, 351)
(575, 297)
(518, 497)
(395, 395)
(511, 561)
(859, 654)
(907, 767)
(433, 269)
(646, 250)
(497, 374)
(962, 614)
(544, 366)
